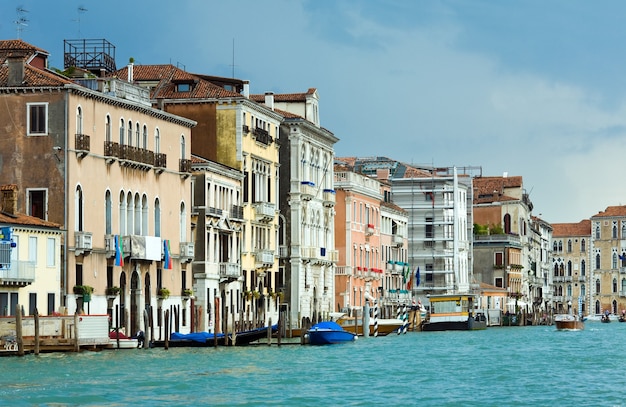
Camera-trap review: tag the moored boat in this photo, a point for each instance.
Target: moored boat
(202, 339)
(355, 325)
(453, 312)
(327, 333)
(567, 322)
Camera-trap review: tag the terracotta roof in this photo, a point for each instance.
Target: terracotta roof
(18, 48)
(34, 77)
(168, 76)
(493, 189)
(285, 97)
(25, 220)
(582, 228)
(611, 211)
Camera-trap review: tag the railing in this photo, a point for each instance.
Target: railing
(343, 271)
(214, 211)
(160, 160)
(20, 272)
(230, 270)
(308, 190)
(283, 252)
(264, 256)
(236, 212)
(111, 149)
(184, 165)
(262, 136)
(329, 198)
(398, 240)
(82, 142)
(245, 129)
(265, 211)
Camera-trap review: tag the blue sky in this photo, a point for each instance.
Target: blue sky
(533, 88)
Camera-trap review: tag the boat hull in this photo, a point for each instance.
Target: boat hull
(329, 337)
(469, 325)
(568, 323)
(385, 326)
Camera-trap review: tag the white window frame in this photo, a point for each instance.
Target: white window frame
(29, 107)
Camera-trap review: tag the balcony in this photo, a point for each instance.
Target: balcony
(343, 271)
(369, 229)
(307, 190)
(20, 274)
(186, 251)
(82, 144)
(230, 271)
(264, 258)
(109, 245)
(236, 212)
(184, 167)
(262, 136)
(82, 243)
(245, 129)
(328, 196)
(283, 252)
(160, 162)
(265, 211)
(397, 240)
(111, 151)
(214, 212)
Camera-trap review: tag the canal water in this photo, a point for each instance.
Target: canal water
(508, 366)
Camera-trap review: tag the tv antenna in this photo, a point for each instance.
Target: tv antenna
(21, 21)
(80, 10)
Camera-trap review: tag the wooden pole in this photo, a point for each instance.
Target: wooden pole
(76, 345)
(167, 333)
(36, 322)
(216, 322)
(18, 331)
(117, 325)
(269, 332)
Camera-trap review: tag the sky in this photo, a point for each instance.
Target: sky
(532, 88)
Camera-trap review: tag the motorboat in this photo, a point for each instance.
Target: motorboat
(453, 312)
(568, 322)
(327, 333)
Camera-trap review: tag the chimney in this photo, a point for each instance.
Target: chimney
(9, 199)
(130, 72)
(16, 71)
(246, 89)
(269, 100)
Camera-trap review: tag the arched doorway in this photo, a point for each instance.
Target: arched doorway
(134, 293)
(121, 317)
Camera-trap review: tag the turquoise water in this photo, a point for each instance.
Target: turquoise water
(512, 366)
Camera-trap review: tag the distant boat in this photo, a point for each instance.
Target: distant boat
(203, 339)
(117, 340)
(355, 325)
(327, 333)
(453, 312)
(605, 318)
(567, 322)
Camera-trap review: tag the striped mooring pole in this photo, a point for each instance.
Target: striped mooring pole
(405, 318)
(399, 316)
(375, 319)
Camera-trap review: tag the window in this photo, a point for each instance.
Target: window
(108, 213)
(37, 203)
(32, 303)
(157, 218)
(32, 249)
(614, 261)
(137, 135)
(569, 246)
(50, 303)
(37, 119)
(130, 133)
(145, 137)
(614, 230)
(79, 120)
(614, 285)
(183, 87)
(582, 267)
(182, 147)
(122, 132)
(499, 259)
(598, 261)
(597, 230)
(597, 286)
(78, 207)
(107, 129)
(157, 141)
(582, 290)
(582, 245)
(51, 252)
(499, 282)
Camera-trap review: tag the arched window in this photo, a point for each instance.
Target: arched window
(623, 290)
(598, 286)
(598, 261)
(145, 137)
(560, 246)
(556, 270)
(623, 230)
(614, 230)
(130, 133)
(555, 246)
(507, 223)
(108, 212)
(78, 204)
(569, 245)
(157, 218)
(569, 290)
(614, 261)
(183, 222)
(597, 231)
(144, 215)
(137, 215)
(597, 307)
(157, 141)
(137, 139)
(122, 211)
(182, 147)
(130, 221)
(583, 290)
(107, 129)
(122, 132)
(79, 120)
(614, 285)
(569, 268)
(583, 267)
(583, 245)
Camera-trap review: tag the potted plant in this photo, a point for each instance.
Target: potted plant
(187, 292)
(163, 293)
(112, 291)
(256, 294)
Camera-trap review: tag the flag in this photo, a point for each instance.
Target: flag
(417, 277)
(410, 282)
(621, 257)
(119, 253)
(167, 258)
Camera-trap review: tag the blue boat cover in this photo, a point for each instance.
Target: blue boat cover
(201, 337)
(328, 325)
